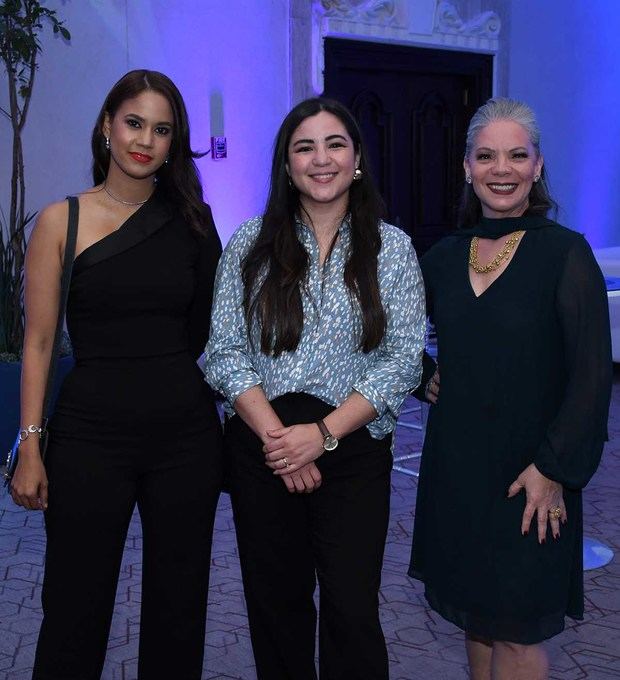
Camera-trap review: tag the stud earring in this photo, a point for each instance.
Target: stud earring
(166, 161)
(107, 143)
(357, 174)
(468, 179)
(536, 178)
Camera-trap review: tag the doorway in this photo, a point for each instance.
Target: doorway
(413, 105)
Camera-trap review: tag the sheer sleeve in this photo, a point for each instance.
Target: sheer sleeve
(571, 450)
(429, 365)
(209, 251)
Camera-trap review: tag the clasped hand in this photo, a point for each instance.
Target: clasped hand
(291, 451)
(290, 448)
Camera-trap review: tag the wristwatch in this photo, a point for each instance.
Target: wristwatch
(329, 441)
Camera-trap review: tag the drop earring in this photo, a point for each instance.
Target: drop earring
(468, 179)
(536, 178)
(357, 174)
(107, 143)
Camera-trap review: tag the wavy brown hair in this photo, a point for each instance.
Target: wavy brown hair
(277, 304)
(179, 178)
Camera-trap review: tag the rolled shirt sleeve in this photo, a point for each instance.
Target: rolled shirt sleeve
(397, 363)
(228, 366)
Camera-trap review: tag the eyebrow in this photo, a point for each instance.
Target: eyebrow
(329, 138)
(488, 148)
(142, 120)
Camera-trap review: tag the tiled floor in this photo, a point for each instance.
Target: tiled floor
(421, 645)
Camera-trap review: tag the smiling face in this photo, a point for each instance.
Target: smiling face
(321, 162)
(140, 134)
(503, 164)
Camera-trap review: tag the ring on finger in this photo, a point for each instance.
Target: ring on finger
(285, 461)
(556, 512)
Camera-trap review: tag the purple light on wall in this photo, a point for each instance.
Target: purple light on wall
(564, 62)
(232, 69)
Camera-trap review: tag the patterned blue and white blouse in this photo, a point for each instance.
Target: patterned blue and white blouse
(327, 363)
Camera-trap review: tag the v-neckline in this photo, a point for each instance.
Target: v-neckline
(500, 277)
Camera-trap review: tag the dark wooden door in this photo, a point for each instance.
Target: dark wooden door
(413, 105)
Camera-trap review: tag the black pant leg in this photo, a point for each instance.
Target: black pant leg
(177, 499)
(91, 499)
(349, 527)
(276, 561)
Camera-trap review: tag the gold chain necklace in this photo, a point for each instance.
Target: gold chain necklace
(509, 246)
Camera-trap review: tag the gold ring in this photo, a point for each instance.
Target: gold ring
(285, 462)
(555, 513)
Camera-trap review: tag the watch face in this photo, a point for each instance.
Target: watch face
(330, 443)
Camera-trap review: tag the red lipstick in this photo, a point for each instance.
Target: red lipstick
(141, 157)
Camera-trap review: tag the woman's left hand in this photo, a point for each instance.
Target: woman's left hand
(290, 448)
(543, 497)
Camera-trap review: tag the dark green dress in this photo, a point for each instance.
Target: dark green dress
(525, 378)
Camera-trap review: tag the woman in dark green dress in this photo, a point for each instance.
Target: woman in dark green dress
(521, 313)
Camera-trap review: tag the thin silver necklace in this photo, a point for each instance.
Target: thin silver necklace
(120, 200)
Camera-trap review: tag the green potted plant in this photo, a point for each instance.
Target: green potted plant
(21, 23)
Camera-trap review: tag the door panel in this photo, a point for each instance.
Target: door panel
(413, 105)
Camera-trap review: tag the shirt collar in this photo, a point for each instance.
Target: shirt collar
(304, 231)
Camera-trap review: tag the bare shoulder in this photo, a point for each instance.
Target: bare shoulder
(50, 231)
(52, 221)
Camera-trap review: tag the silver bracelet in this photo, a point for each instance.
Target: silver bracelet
(31, 429)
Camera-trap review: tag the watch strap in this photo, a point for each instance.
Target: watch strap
(324, 431)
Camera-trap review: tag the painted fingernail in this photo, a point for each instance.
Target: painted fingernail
(543, 540)
(525, 533)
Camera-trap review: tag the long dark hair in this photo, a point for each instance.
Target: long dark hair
(501, 108)
(277, 304)
(179, 178)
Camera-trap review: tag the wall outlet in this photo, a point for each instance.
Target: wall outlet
(218, 148)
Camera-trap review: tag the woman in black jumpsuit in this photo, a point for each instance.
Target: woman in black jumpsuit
(135, 423)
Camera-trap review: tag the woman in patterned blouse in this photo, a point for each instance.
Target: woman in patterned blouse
(317, 336)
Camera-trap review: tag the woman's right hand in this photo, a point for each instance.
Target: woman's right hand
(432, 388)
(305, 480)
(29, 483)
(543, 497)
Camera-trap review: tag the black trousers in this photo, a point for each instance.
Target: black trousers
(286, 541)
(93, 491)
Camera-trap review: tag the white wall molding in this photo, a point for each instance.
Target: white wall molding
(421, 23)
(485, 25)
